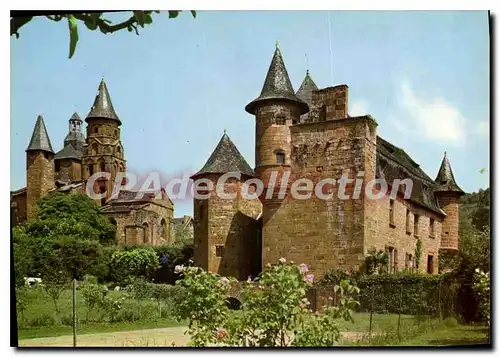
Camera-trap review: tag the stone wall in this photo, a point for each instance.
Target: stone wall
(450, 229)
(226, 232)
(149, 224)
(329, 103)
(18, 207)
(329, 233)
(40, 178)
(69, 170)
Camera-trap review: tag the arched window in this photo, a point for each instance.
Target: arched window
(94, 148)
(102, 166)
(116, 132)
(163, 228)
(280, 157)
(91, 169)
(118, 150)
(145, 227)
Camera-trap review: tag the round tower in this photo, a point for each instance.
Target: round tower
(275, 110)
(39, 166)
(103, 151)
(448, 194)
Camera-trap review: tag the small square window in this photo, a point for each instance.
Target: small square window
(280, 158)
(219, 250)
(391, 213)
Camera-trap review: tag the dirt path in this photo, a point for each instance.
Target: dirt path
(160, 337)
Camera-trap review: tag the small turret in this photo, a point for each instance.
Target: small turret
(39, 166)
(448, 194)
(305, 93)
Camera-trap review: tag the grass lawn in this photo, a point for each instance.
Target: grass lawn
(457, 336)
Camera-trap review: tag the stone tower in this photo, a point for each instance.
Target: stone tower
(39, 166)
(448, 194)
(103, 151)
(275, 110)
(68, 161)
(225, 229)
(305, 93)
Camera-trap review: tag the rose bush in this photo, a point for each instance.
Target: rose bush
(274, 310)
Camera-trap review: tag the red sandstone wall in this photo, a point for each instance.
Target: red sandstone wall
(450, 237)
(40, 178)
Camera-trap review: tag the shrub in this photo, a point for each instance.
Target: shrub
(482, 289)
(127, 264)
(170, 256)
(44, 319)
(274, 305)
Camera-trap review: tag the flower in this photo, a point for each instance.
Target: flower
(178, 269)
(348, 273)
(249, 280)
(224, 280)
(305, 301)
(303, 268)
(282, 260)
(309, 278)
(221, 333)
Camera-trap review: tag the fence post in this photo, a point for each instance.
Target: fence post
(74, 312)
(400, 308)
(371, 311)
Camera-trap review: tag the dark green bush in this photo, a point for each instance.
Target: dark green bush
(44, 319)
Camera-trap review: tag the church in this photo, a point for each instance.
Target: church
(148, 220)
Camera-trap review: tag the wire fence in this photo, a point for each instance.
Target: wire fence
(387, 306)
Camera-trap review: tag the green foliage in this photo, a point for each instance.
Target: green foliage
(204, 304)
(94, 21)
(171, 255)
(420, 294)
(482, 289)
(274, 306)
(376, 261)
(93, 295)
(139, 262)
(418, 253)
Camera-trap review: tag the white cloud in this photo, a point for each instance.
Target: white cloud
(358, 108)
(435, 119)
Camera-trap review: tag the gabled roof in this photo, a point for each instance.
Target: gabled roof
(394, 163)
(445, 178)
(277, 86)
(306, 89)
(40, 138)
(225, 158)
(102, 108)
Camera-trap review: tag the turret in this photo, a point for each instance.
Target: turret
(275, 110)
(68, 161)
(448, 194)
(103, 151)
(305, 93)
(224, 227)
(39, 166)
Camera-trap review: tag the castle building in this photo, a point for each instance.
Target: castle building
(309, 134)
(147, 220)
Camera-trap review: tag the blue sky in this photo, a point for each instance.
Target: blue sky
(424, 76)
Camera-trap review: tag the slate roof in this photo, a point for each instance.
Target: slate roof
(69, 152)
(102, 108)
(394, 163)
(277, 86)
(225, 158)
(40, 138)
(445, 178)
(306, 89)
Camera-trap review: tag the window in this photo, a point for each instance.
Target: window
(280, 157)
(145, 226)
(219, 250)
(103, 167)
(391, 213)
(390, 255)
(408, 226)
(95, 130)
(94, 149)
(91, 170)
(415, 225)
(280, 119)
(409, 262)
(57, 166)
(395, 261)
(431, 228)
(430, 264)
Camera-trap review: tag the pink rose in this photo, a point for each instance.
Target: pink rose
(221, 333)
(303, 268)
(309, 278)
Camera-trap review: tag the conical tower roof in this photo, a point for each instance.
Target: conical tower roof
(102, 108)
(306, 89)
(225, 158)
(40, 139)
(277, 86)
(445, 179)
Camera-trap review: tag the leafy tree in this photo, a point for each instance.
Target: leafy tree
(93, 21)
(376, 261)
(127, 264)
